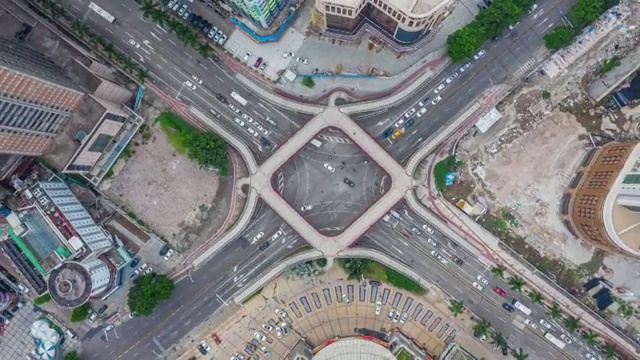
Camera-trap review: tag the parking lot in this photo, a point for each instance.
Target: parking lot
(323, 312)
(331, 182)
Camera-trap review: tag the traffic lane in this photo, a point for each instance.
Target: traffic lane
(501, 320)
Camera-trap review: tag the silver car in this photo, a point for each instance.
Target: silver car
(253, 132)
(182, 10)
(239, 122)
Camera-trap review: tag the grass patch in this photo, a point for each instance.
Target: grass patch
(252, 296)
(177, 130)
(42, 299)
(376, 271)
(404, 355)
(610, 64)
(442, 168)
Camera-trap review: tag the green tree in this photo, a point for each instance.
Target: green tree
(516, 283)
(306, 271)
(498, 340)
(147, 291)
(308, 82)
(79, 27)
(610, 351)
(625, 309)
(554, 311)
(80, 313)
(456, 307)
(142, 75)
(546, 95)
(571, 323)
(463, 43)
(590, 337)
(558, 38)
(481, 328)
(535, 297)
(71, 356)
(519, 355)
(354, 267)
(204, 49)
(128, 64)
(160, 17)
(42, 299)
(55, 9)
(207, 149)
(498, 271)
(585, 12)
(109, 49)
(147, 7)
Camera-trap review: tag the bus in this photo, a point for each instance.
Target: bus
(518, 305)
(102, 13)
(555, 341)
(238, 98)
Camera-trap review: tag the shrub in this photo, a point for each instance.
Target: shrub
(80, 313)
(308, 82)
(42, 299)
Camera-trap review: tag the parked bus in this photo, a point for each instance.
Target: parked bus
(238, 98)
(518, 305)
(555, 341)
(102, 13)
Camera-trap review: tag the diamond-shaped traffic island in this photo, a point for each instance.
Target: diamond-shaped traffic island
(330, 181)
(266, 184)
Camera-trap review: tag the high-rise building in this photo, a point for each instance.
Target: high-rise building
(261, 12)
(36, 99)
(602, 202)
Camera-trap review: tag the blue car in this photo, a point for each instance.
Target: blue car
(508, 307)
(409, 123)
(387, 133)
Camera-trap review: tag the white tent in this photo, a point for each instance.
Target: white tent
(46, 339)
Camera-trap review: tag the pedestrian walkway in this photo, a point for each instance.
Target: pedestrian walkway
(331, 246)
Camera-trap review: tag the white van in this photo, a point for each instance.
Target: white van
(395, 214)
(317, 143)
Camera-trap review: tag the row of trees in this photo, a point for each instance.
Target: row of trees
(185, 33)
(82, 30)
(364, 268)
(490, 22)
(582, 14)
(148, 291)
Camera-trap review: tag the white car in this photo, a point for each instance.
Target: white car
(238, 121)
(190, 85)
(511, 27)
(390, 314)
(301, 60)
(429, 230)
(409, 113)
(424, 102)
(134, 43)
(565, 338)
(436, 255)
(143, 267)
(265, 351)
(287, 55)
(245, 116)
(223, 38)
(217, 36)
(479, 54)
(478, 286)
(421, 112)
(259, 337)
(257, 237)
(306, 208)
(212, 33)
(267, 327)
(378, 307)
(431, 242)
(253, 132)
(404, 318)
(545, 324)
(530, 323)
(182, 10)
(346, 299)
(396, 317)
(399, 123)
(465, 67)
(148, 271)
(329, 167)
(277, 234)
(436, 100)
(483, 280)
(205, 346)
(263, 66)
(279, 332)
(281, 313)
(167, 256)
(261, 129)
(533, 8)
(452, 77)
(196, 79)
(109, 327)
(247, 56)
(439, 88)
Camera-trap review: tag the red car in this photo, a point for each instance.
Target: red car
(499, 291)
(216, 339)
(258, 62)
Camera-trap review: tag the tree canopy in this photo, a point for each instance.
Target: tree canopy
(71, 356)
(80, 313)
(147, 291)
(209, 150)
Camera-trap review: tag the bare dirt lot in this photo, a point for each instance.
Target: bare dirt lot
(165, 190)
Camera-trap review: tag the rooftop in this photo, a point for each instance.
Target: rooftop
(354, 349)
(70, 284)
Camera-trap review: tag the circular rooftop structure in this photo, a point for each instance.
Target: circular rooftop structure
(70, 284)
(354, 349)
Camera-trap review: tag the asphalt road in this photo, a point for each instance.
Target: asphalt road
(396, 238)
(198, 296)
(515, 55)
(171, 64)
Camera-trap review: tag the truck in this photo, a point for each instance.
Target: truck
(555, 341)
(518, 305)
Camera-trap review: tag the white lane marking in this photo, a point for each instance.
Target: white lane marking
(172, 42)
(170, 74)
(109, 31)
(145, 50)
(219, 78)
(165, 60)
(143, 20)
(159, 67)
(140, 56)
(204, 67)
(155, 36)
(161, 28)
(264, 107)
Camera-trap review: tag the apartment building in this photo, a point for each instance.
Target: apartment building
(262, 13)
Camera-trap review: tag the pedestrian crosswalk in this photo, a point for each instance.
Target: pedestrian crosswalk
(524, 69)
(336, 139)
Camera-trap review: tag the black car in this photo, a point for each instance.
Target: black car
(207, 28)
(374, 283)
(505, 349)
(203, 24)
(102, 309)
(7, 314)
(134, 262)
(215, 58)
(221, 98)
(196, 20)
(8, 275)
(387, 133)
(265, 142)
(203, 351)
(191, 17)
(508, 307)
(349, 182)
(458, 261)
(264, 246)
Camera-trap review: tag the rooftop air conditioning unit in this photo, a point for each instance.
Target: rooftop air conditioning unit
(43, 201)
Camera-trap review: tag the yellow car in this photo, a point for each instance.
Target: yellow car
(396, 134)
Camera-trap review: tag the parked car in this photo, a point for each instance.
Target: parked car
(508, 307)
(204, 347)
(258, 62)
(103, 308)
(499, 291)
(167, 256)
(479, 54)
(264, 246)
(287, 55)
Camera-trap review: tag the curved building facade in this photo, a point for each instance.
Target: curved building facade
(404, 22)
(602, 204)
(73, 283)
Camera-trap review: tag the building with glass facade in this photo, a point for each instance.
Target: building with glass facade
(262, 13)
